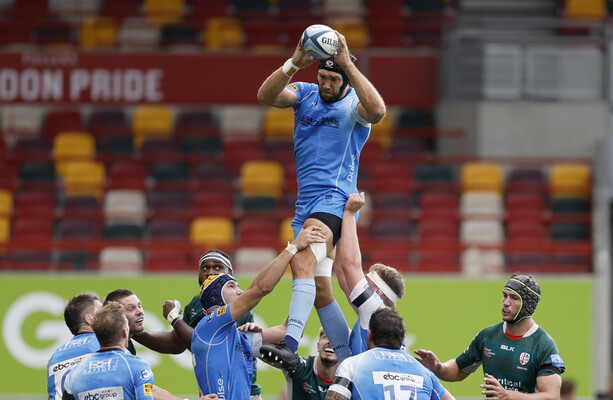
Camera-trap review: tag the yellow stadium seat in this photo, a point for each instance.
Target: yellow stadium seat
(6, 203)
(162, 12)
(152, 121)
(5, 230)
(223, 33)
(84, 178)
(72, 146)
(286, 233)
(279, 123)
(482, 176)
(262, 178)
(354, 30)
(585, 9)
(570, 180)
(382, 132)
(98, 33)
(212, 231)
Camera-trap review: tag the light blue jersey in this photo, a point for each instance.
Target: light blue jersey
(223, 357)
(111, 375)
(328, 139)
(381, 373)
(65, 358)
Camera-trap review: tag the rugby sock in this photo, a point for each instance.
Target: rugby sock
(334, 324)
(303, 297)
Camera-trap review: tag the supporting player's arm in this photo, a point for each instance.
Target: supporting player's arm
(349, 248)
(447, 371)
(372, 106)
(268, 277)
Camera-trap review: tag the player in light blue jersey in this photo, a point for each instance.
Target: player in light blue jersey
(382, 286)
(222, 356)
(112, 373)
(385, 371)
(331, 125)
(78, 315)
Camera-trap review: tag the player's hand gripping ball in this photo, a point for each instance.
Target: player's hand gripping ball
(320, 41)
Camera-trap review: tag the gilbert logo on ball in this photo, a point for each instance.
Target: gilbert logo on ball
(320, 41)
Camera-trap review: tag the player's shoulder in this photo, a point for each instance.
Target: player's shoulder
(488, 330)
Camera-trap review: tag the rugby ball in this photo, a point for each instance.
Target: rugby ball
(320, 41)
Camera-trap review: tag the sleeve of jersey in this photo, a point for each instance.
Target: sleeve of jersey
(143, 380)
(366, 300)
(354, 106)
(470, 359)
(438, 391)
(343, 380)
(552, 362)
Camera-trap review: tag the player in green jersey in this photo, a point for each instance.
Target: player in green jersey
(520, 360)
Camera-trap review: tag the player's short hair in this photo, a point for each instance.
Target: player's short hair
(77, 308)
(387, 328)
(391, 276)
(117, 295)
(109, 322)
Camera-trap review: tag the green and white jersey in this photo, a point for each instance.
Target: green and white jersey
(516, 363)
(304, 383)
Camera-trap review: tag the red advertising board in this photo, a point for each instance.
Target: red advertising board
(126, 78)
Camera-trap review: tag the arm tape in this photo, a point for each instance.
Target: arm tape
(344, 382)
(361, 299)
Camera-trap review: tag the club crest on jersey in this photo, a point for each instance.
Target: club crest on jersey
(524, 358)
(488, 352)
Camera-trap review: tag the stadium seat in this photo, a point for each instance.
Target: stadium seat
(170, 172)
(263, 34)
(286, 233)
(121, 259)
(570, 180)
(98, 33)
(438, 205)
(78, 229)
(569, 205)
(71, 10)
(240, 122)
(123, 230)
(72, 204)
(478, 262)
(168, 201)
(252, 259)
(212, 231)
(120, 9)
(62, 120)
(434, 230)
(261, 178)
(437, 261)
(482, 176)
(440, 173)
(563, 231)
(278, 124)
(6, 203)
(108, 122)
(216, 204)
(31, 145)
(525, 230)
(333, 8)
(257, 232)
(392, 202)
(54, 33)
(201, 10)
(138, 34)
(86, 178)
(585, 9)
(216, 177)
(163, 12)
(5, 230)
(383, 131)
(185, 33)
(125, 206)
(167, 260)
(70, 147)
(524, 204)
(415, 118)
(166, 229)
(35, 200)
(152, 121)
(480, 203)
(32, 228)
(238, 152)
(128, 175)
(354, 30)
(398, 258)
(481, 232)
(21, 120)
(223, 33)
(391, 178)
(42, 172)
(389, 229)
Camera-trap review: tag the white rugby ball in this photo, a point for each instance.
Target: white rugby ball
(320, 41)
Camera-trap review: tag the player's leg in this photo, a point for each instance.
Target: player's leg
(302, 265)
